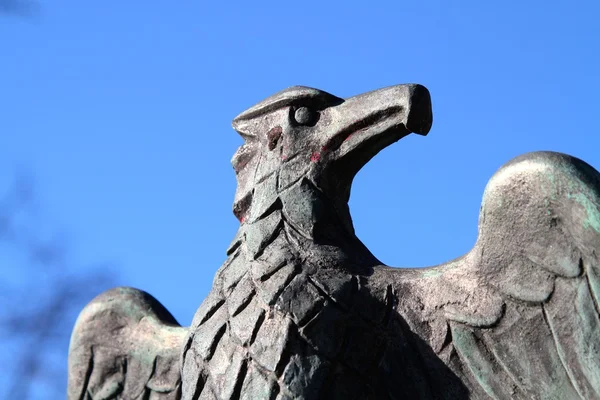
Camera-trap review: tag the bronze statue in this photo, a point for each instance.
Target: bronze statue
(302, 310)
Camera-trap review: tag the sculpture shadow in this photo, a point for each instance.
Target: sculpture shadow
(382, 358)
(410, 369)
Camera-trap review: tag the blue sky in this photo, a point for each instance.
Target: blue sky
(122, 112)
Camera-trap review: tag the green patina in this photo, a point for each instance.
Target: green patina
(582, 194)
(433, 272)
(552, 180)
(587, 348)
(475, 360)
(482, 366)
(594, 282)
(591, 209)
(143, 355)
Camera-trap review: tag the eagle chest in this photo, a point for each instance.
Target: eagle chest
(281, 328)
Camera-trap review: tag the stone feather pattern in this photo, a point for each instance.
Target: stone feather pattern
(301, 309)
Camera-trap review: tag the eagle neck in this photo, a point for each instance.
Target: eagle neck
(302, 220)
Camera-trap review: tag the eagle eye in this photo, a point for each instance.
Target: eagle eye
(306, 116)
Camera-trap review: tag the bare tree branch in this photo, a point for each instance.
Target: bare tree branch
(40, 310)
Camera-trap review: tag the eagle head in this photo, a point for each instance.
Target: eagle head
(303, 132)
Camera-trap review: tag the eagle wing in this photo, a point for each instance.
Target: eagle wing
(125, 345)
(518, 316)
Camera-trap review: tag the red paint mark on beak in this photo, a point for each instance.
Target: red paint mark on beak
(242, 219)
(316, 156)
(349, 136)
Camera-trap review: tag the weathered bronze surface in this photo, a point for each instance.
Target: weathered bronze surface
(302, 310)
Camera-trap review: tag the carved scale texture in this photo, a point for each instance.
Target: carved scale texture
(515, 318)
(302, 310)
(277, 326)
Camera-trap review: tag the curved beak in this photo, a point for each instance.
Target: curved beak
(367, 123)
(363, 125)
(420, 114)
(373, 120)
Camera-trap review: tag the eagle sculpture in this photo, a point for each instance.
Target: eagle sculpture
(301, 309)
